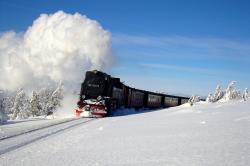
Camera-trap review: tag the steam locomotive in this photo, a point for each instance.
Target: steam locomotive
(102, 94)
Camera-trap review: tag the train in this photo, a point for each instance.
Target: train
(101, 95)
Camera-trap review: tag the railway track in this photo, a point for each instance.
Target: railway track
(43, 126)
(14, 142)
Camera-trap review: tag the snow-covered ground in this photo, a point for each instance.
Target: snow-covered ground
(205, 134)
(17, 127)
(17, 141)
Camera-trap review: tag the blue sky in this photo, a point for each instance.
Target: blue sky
(185, 47)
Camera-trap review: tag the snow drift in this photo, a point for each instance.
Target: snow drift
(57, 47)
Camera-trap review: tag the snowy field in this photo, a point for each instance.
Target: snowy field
(17, 127)
(206, 134)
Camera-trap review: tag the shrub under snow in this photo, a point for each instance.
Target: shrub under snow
(193, 99)
(218, 94)
(231, 93)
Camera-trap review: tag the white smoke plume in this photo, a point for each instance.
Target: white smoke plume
(57, 47)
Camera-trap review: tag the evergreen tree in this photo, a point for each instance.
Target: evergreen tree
(56, 98)
(218, 94)
(7, 101)
(231, 92)
(209, 98)
(3, 116)
(21, 108)
(34, 104)
(44, 96)
(245, 94)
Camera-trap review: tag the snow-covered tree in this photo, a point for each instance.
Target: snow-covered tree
(8, 103)
(1, 105)
(209, 98)
(49, 99)
(193, 99)
(21, 108)
(3, 116)
(34, 104)
(218, 94)
(245, 94)
(44, 100)
(18, 105)
(231, 92)
(55, 99)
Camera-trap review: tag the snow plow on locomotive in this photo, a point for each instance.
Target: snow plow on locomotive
(102, 94)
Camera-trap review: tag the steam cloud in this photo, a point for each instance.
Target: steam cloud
(57, 47)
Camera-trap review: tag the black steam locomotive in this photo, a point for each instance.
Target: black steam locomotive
(101, 94)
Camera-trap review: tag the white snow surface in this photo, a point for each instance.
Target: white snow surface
(205, 134)
(17, 127)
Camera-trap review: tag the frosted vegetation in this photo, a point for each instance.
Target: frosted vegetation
(220, 95)
(194, 99)
(231, 93)
(19, 105)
